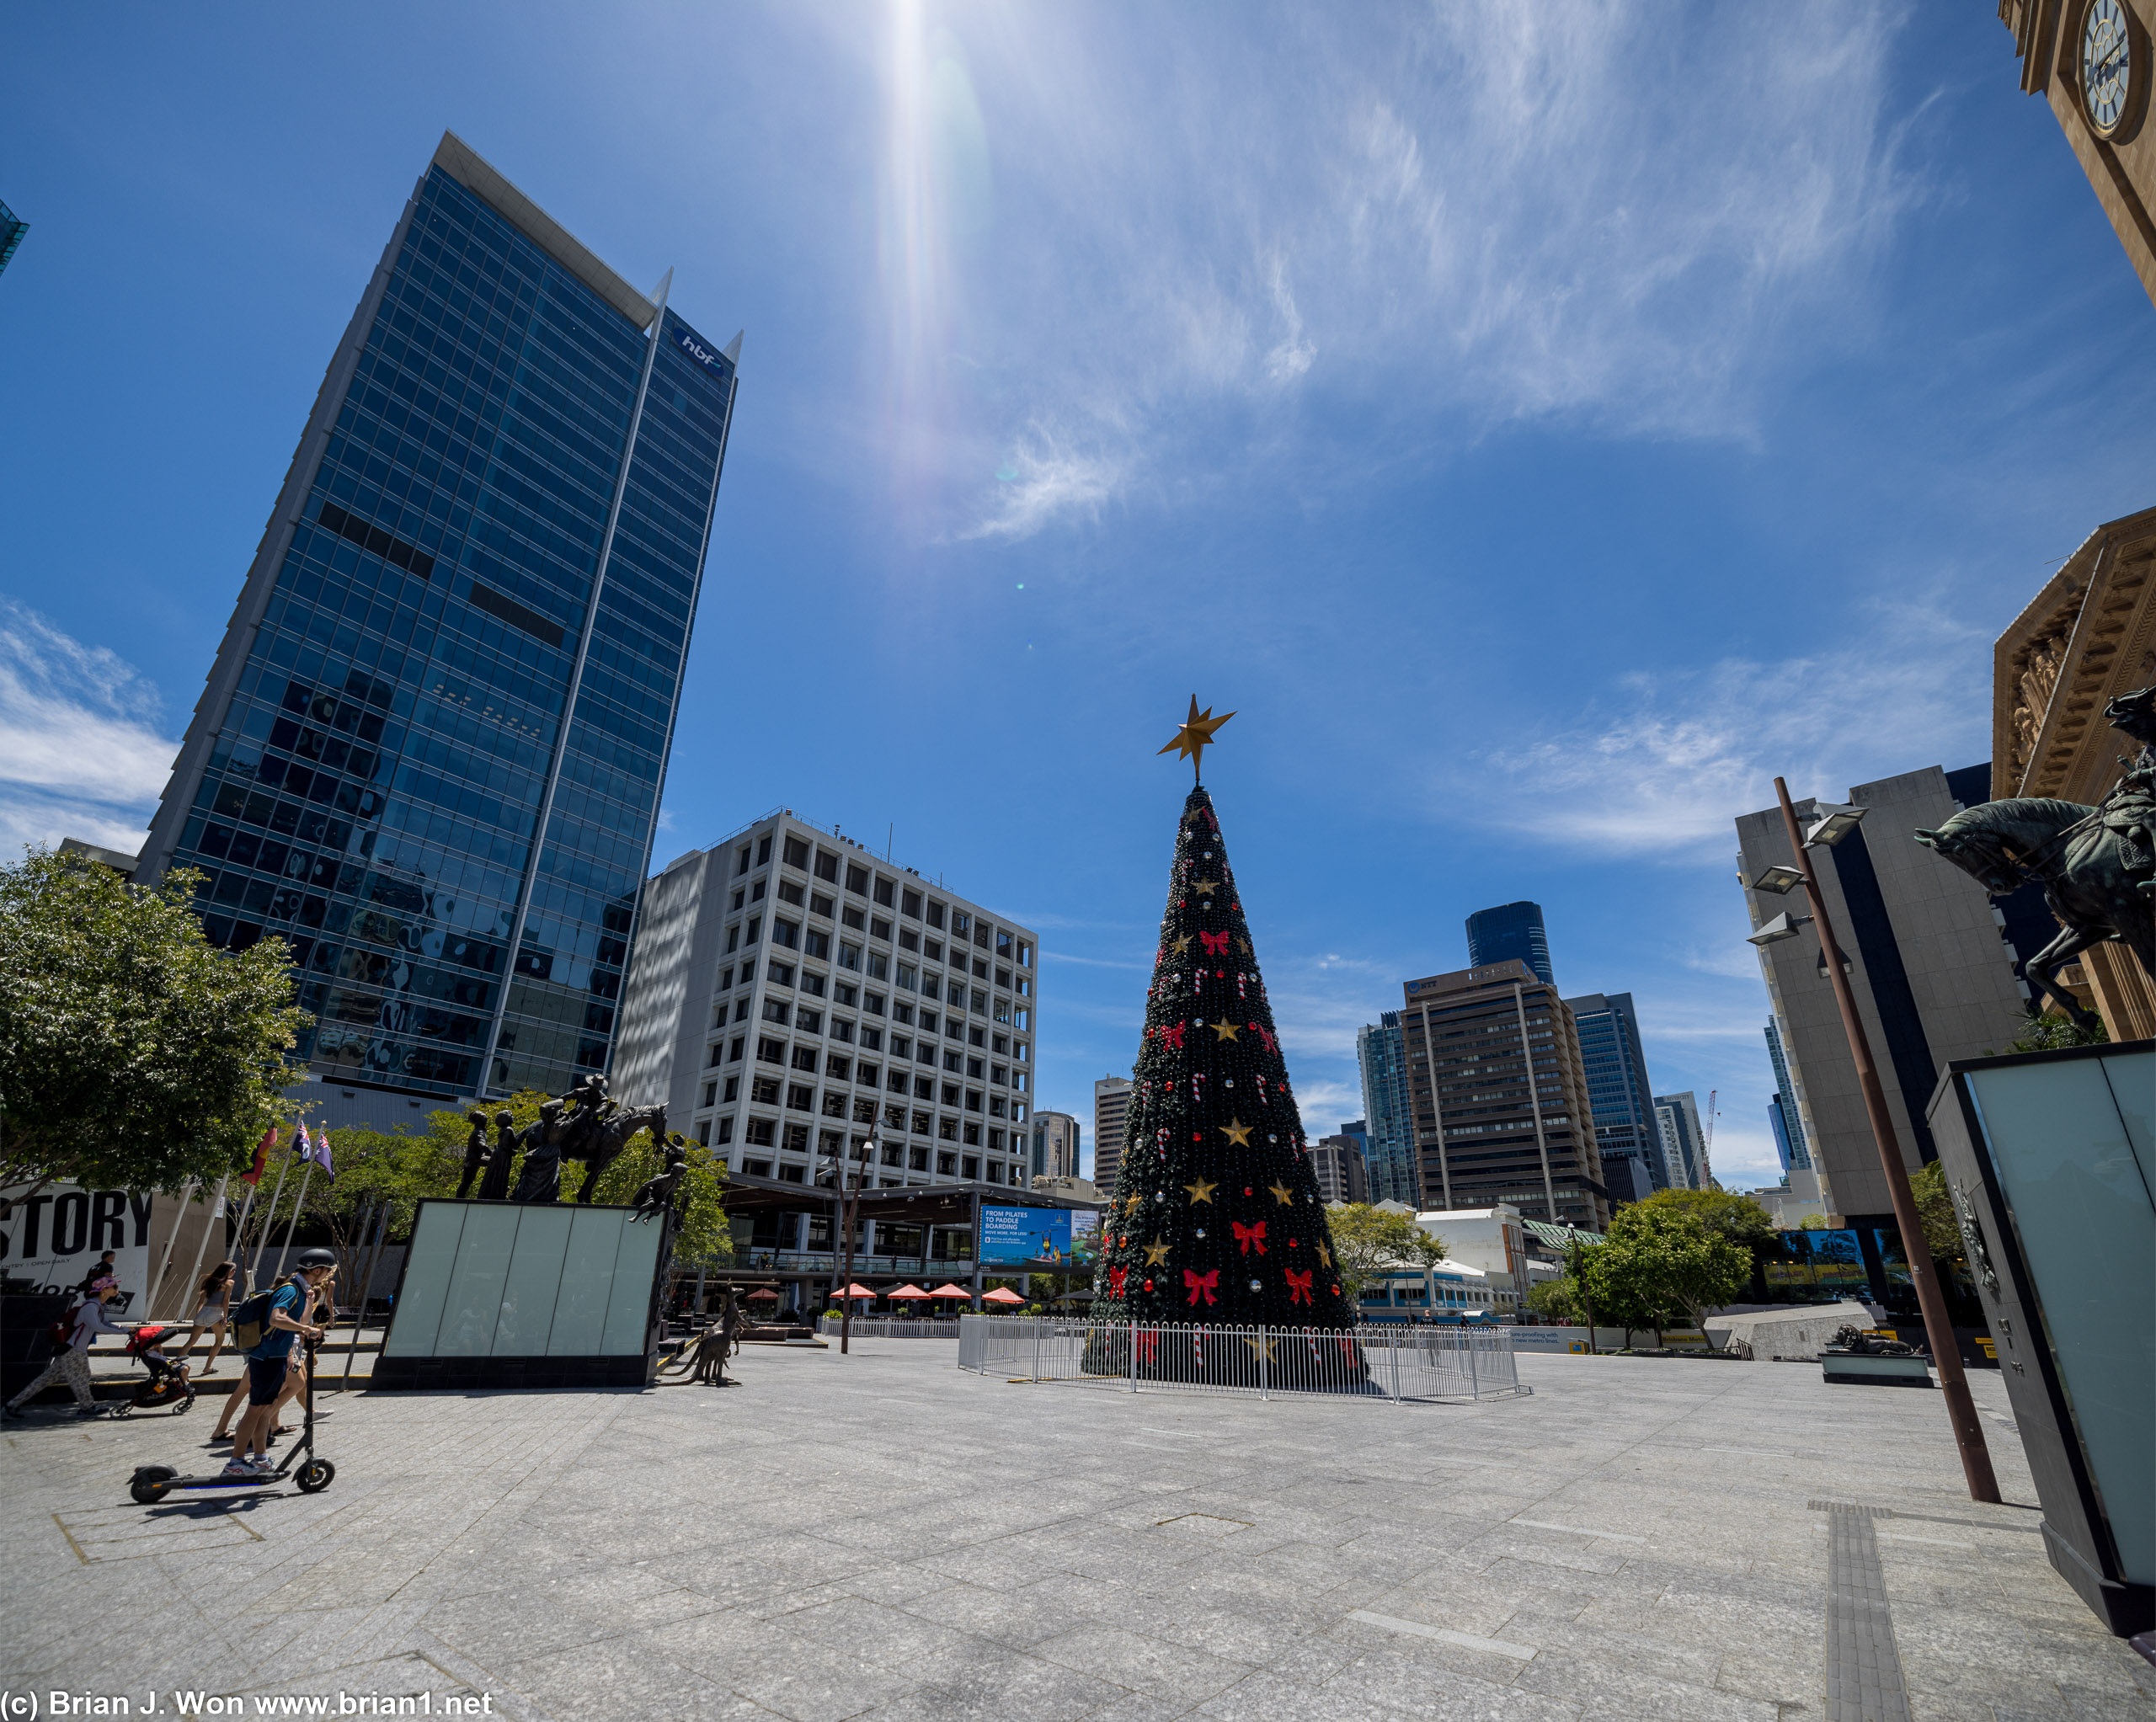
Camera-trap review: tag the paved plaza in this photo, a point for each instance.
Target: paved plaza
(882, 1536)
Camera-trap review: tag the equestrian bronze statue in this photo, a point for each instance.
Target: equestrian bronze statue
(2097, 865)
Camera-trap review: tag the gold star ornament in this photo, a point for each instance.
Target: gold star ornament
(1182, 945)
(1286, 1197)
(1156, 1252)
(1202, 1191)
(1236, 1132)
(1191, 741)
(1206, 888)
(1224, 1029)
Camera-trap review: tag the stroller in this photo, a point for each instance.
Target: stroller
(167, 1389)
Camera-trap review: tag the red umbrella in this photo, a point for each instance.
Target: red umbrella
(856, 1290)
(1001, 1295)
(948, 1290)
(763, 1291)
(907, 1290)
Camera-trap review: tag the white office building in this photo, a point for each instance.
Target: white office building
(790, 989)
(1111, 1111)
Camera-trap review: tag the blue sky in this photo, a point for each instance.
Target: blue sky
(1541, 424)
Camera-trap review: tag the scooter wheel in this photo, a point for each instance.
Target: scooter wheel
(315, 1476)
(151, 1483)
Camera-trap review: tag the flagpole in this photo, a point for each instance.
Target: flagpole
(201, 1244)
(293, 1225)
(272, 1220)
(164, 1262)
(366, 1277)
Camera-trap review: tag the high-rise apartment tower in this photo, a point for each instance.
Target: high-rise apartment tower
(430, 752)
(1683, 1146)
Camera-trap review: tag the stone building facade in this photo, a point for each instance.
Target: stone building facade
(2064, 49)
(2087, 636)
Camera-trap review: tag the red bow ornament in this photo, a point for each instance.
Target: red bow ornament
(1174, 1036)
(1116, 1276)
(1248, 1235)
(1216, 944)
(1201, 1285)
(1298, 1286)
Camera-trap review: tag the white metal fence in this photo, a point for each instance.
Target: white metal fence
(881, 1327)
(1391, 1361)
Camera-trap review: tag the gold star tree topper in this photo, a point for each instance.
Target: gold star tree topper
(1191, 741)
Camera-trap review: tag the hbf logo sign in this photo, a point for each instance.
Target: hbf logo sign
(705, 357)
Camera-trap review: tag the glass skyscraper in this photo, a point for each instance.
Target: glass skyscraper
(1783, 1117)
(1388, 1126)
(430, 749)
(1514, 931)
(1625, 1132)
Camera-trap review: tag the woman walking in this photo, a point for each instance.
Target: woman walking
(213, 1308)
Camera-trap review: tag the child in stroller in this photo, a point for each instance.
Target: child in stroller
(167, 1389)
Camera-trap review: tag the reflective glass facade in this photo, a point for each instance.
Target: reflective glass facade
(1511, 932)
(1389, 1129)
(1617, 1088)
(437, 767)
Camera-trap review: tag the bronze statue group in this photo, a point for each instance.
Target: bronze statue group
(587, 1124)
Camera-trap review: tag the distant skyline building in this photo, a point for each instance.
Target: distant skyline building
(1055, 1146)
(1500, 1108)
(1783, 1116)
(1342, 1175)
(1683, 1146)
(1111, 1107)
(1627, 1134)
(12, 229)
(1389, 1121)
(430, 752)
(1512, 932)
(792, 990)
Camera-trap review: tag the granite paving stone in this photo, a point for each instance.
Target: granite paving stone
(882, 1536)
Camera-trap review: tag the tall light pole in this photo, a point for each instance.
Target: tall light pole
(1837, 823)
(848, 1194)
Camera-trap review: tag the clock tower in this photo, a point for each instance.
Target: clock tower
(2090, 60)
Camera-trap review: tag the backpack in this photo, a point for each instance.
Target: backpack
(62, 1333)
(250, 1321)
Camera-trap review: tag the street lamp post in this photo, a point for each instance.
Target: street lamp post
(1938, 1325)
(848, 1201)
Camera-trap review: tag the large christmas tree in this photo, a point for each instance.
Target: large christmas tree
(1217, 1217)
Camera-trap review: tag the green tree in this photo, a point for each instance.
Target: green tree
(1556, 1300)
(1626, 1285)
(1674, 1259)
(133, 1053)
(1942, 1230)
(1368, 1242)
(1812, 1222)
(1738, 1219)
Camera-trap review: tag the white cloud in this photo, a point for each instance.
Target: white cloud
(81, 752)
(1664, 764)
(1045, 482)
(1480, 215)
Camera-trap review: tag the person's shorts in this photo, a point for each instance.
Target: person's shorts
(265, 1380)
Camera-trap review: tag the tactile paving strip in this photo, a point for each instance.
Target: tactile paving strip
(1864, 1670)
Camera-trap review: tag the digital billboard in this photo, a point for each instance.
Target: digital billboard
(1012, 1236)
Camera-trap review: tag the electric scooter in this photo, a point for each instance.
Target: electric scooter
(151, 1483)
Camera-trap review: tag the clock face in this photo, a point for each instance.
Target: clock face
(2106, 63)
